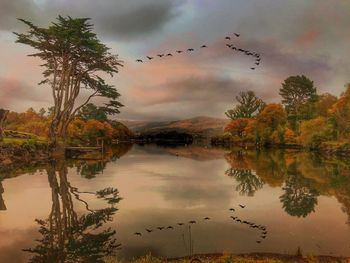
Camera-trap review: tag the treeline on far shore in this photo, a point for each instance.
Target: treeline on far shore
(304, 119)
(87, 128)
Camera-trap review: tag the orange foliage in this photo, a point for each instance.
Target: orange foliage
(289, 136)
(237, 127)
(29, 121)
(89, 131)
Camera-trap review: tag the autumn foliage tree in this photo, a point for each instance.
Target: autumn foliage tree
(340, 115)
(270, 123)
(73, 59)
(237, 127)
(29, 121)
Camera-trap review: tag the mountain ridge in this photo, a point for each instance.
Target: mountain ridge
(199, 125)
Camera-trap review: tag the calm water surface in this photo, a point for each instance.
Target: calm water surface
(72, 209)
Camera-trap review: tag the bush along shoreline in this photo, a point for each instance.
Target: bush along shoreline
(304, 119)
(227, 141)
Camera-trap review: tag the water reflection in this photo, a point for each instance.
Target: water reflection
(89, 168)
(248, 181)
(305, 193)
(302, 176)
(67, 236)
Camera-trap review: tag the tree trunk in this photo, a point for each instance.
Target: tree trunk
(3, 115)
(57, 136)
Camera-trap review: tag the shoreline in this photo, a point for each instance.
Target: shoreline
(239, 258)
(27, 152)
(341, 150)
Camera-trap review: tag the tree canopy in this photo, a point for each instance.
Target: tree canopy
(249, 105)
(296, 91)
(73, 59)
(91, 112)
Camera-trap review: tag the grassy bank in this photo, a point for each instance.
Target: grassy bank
(19, 151)
(251, 258)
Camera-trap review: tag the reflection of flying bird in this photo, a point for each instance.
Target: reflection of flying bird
(149, 230)
(228, 38)
(228, 45)
(192, 222)
(169, 227)
(169, 55)
(252, 68)
(149, 57)
(263, 237)
(239, 220)
(237, 35)
(206, 218)
(232, 209)
(180, 224)
(160, 55)
(190, 49)
(139, 60)
(233, 217)
(203, 46)
(137, 234)
(160, 227)
(258, 241)
(242, 206)
(179, 51)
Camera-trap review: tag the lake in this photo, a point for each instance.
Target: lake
(279, 201)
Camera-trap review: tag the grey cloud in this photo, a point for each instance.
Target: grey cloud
(143, 19)
(211, 89)
(122, 18)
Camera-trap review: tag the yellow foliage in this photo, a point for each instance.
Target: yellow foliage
(311, 131)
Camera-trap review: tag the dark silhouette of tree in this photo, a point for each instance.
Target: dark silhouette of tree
(69, 237)
(296, 92)
(249, 105)
(89, 170)
(248, 181)
(299, 199)
(73, 58)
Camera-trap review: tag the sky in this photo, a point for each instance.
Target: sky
(293, 37)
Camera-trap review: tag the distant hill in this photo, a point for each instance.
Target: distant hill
(200, 126)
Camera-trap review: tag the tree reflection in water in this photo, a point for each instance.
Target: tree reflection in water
(277, 168)
(248, 181)
(67, 236)
(299, 199)
(90, 168)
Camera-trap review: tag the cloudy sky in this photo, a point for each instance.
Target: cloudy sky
(293, 37)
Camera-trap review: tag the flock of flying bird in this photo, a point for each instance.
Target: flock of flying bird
(261, 228)
(189, 50)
